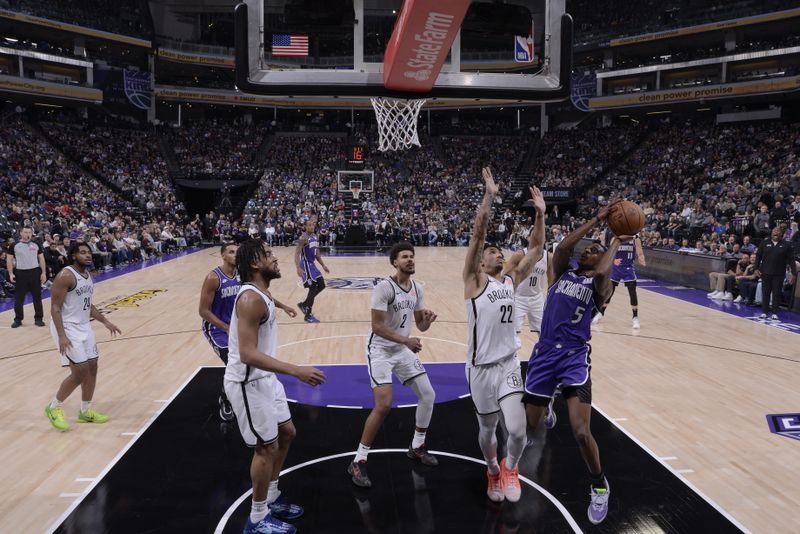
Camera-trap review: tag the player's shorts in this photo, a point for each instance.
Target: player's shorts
(310, 273)
(530, 307)
(491, 383)
(622, 275)
(84, 346)
(381, 363)
(218, 339)
(260, 407)
(554, 366)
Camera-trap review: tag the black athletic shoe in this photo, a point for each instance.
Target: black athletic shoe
(225, 409)
(16, 324)
(422, 455)
(303, 308)
(358, 472)
(39, 323)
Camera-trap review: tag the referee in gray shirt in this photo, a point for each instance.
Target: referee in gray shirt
(29, 275)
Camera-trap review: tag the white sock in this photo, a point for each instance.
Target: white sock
(492, 466)
(419, 439)
(85, 405)
(55, 403)
(258, 511)
(362, 453)
(273, 492)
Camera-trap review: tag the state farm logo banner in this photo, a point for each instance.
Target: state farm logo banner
(421, 40)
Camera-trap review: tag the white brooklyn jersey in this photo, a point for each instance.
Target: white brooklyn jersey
(490, 316)
(235, 370)
(535, 284)
(399, 306)
(77, 305)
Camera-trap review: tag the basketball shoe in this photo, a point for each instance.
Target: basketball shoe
(494, 488)
(56, 417)
(282, 509)
(598, 504)
(421, 453)
(91, 416)
(510, 482)
(358, 472)
(269, 525)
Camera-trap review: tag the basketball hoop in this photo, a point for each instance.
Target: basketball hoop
(355, 188)
(397, 122)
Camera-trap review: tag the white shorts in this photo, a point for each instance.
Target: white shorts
(260, 407)
(530, 307)
(489, 384)
(381, 363)
(84, 346)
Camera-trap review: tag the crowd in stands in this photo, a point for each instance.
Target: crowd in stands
(222, 149)
(426, 195)
(573, 158)
(619, 18)
(115, 16)
(127, 157)
(42, 189)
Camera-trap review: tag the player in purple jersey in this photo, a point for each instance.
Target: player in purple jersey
(305, 255)
(629, 252)
(216, 305)
(561, 356)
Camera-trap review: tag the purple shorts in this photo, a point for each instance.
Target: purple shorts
(310, 272)
(554, 365)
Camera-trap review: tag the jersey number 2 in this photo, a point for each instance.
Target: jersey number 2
(506, 313)
(403, 324)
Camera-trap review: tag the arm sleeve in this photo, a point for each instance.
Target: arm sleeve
(382, 295)
(420, 298)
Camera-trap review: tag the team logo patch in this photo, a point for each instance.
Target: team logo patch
(354, 282)
(514, 380)
(785, 424)
(418, 365)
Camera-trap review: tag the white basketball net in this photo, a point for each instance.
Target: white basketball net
(397, 122)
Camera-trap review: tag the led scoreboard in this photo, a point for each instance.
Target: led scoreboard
(357, 156)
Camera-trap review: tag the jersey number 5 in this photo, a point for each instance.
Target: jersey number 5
(505, 313)
(579, 311)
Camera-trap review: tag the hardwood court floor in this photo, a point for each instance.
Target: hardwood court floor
(693, 384)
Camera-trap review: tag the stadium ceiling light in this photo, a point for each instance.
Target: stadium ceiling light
(658, 112)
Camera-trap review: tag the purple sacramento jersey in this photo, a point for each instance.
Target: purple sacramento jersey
(222, 307)
(626, 254)
(562, 354)
(307, 258)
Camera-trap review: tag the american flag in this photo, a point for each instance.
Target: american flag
(289, 45)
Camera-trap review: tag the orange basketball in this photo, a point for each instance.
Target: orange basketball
(626, 218)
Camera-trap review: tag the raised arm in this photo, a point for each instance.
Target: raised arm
(472, 263)
(535, 239)
(564, 250)
(602, 276)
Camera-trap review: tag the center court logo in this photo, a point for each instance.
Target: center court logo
(353, 282)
